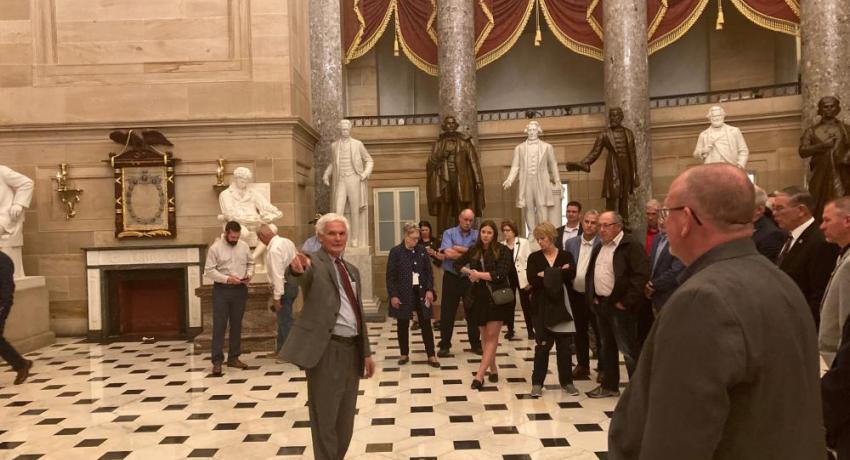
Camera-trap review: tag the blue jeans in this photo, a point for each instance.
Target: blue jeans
(284, 315)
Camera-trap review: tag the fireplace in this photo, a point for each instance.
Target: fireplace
(148, 291)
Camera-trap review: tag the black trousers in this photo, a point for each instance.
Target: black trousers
(228, 307)
(524, 302)
(645, 318)
(404, 332)
(545, 340)
(585, 320)
(617, 331)
(7, 351)
(454, 288)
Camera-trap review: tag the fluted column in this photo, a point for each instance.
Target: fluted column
(325, 88)
(825, 67)
(627, 87)
(456, 48)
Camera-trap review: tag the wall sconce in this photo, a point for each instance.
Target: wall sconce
(68, 196)
(219, 185)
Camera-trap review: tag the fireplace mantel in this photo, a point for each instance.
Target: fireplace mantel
(99, 260)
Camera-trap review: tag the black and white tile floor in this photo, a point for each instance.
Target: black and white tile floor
(158, 401)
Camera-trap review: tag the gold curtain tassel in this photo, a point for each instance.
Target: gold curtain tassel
(720, 21)
(395, 45)
(538, 36)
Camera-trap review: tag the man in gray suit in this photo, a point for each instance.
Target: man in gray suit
(329, 340)
(730, 369)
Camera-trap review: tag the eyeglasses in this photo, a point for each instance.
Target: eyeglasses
(607, 226)
(664, 213)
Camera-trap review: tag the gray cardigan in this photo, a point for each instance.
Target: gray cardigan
(730, 369)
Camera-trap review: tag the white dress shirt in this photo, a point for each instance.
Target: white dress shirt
(279, 255)
(569, 233)
(224, 260)
(603, 271)
(584, 251)
(795, 234)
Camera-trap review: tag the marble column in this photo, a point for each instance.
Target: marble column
(456, 54)
(825, 58)
(326, 88)
(627, 86)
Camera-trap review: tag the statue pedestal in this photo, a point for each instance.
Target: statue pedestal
(28, 326)
(259, 325)
(362, 259)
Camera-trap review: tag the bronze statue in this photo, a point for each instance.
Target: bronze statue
(454, 176)
(621, 176)
(827, 144)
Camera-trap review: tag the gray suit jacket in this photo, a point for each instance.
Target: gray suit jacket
(835, 309)
(312, 331)
(730, 369)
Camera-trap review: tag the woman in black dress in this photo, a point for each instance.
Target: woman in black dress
(432, 247)
(550, 327)
(487, 261)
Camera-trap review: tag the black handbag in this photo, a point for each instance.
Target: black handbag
(501, 295)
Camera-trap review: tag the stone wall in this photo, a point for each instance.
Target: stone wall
(220, 78)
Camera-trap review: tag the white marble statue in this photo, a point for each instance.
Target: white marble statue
(15, 195)
(245, 205)
(535, 165)
(721, 143)
(351, 165)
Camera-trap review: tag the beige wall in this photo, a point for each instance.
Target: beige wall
(220, 78)
(771, 128)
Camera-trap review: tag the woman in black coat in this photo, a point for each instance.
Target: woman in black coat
(487, 262)
(548, 270)
(410, 288)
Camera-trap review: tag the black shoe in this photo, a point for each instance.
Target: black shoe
(404, 360)
(444, 353)
(493, 378)
(436, 325)
(216, 370)
(600, 392)
(478, 350)
(509, 335)
(477, 384)
(23, 373)
(434, 363)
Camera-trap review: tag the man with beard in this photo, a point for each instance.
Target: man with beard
(230, 266)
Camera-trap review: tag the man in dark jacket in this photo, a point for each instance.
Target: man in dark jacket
(806, 256)
(7, 292)
(730, 369)
(768, 237)
(616, 276)
(665, 270)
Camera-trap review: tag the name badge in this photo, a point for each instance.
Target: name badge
(416, 279)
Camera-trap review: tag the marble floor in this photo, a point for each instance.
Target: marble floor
(157, 401)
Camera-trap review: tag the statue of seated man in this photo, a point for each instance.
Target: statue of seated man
(244, 205)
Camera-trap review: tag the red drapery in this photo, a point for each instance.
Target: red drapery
(778, 15)
(499, 23)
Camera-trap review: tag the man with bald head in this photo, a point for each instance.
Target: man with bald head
(730, 369)
(456, 241)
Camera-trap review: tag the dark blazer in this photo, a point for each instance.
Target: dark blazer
(664, 271)
(631, 273)
(312, 331)
(835, 386)
(559, 240)
(723, 359)
(768, 237)
(400, 268)
(809, 263)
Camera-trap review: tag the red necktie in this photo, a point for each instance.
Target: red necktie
(349, 291)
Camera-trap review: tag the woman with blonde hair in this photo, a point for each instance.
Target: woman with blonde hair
(549, 270)
(487, 263)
